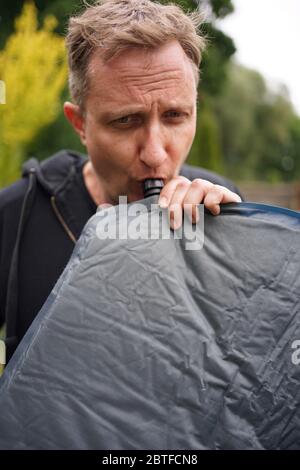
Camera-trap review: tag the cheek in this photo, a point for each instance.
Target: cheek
(182, 143)
(184, 137)
(109, 153)
(98, 144)
(193, 128)
(190, 135)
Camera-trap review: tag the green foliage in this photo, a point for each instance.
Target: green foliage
(215, 59)
(11, 9)
(58, 135)
(293, 149)
(33, 67)
(206, 149)
(222, 8)
(259, 130)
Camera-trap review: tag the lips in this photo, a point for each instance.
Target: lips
(152, 178)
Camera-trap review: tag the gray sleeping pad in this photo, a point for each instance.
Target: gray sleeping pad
(143, 344)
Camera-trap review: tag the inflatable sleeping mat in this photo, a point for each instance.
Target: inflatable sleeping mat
(145, 344)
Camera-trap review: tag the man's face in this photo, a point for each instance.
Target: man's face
(140, 117)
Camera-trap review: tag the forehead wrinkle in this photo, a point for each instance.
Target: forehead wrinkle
(135, 84)
(145, 96)
(151, 83)
(140, 77)
(150, 93)
(163, 85)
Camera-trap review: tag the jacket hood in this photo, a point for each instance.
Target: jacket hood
(54, 173)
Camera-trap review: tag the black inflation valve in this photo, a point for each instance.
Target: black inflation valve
(152, 187)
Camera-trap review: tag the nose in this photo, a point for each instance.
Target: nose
(153, 147)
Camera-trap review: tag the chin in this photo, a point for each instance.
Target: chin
(135, 197)
(135, 193)
(134, 190)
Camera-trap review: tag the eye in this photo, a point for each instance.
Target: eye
(175, 115)
(123, 120)
(127, 121)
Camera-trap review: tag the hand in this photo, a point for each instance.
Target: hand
(182, 194)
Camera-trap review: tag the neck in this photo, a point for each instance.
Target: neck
(94, 185)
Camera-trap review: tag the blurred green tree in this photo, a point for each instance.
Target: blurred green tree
(206, 148)
(259, 130)
(33, 67)
(293, 149)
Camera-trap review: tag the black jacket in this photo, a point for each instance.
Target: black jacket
(41, 217)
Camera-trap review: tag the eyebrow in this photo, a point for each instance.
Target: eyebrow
(110, 115)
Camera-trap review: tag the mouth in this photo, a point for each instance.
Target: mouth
(152, 178)
(137, 187)
(140, 181)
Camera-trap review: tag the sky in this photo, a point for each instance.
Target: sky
(267, 36)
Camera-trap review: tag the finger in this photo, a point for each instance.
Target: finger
(168, 190)
(195, 195)
(192, 211)
(176, 204)
(219, 195)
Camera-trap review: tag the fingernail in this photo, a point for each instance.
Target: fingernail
(175, 224)
(163, 202)
(175, 220)
(216, 210)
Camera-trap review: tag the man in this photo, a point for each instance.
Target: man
(133, 80)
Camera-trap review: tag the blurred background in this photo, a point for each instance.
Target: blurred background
(249, 102)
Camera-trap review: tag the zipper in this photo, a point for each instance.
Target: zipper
(61, 220)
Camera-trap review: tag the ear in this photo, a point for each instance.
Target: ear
(76, 119)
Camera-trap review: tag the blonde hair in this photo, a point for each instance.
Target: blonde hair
(115, 25)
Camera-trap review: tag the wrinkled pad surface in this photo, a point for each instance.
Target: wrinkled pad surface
(143, 344)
